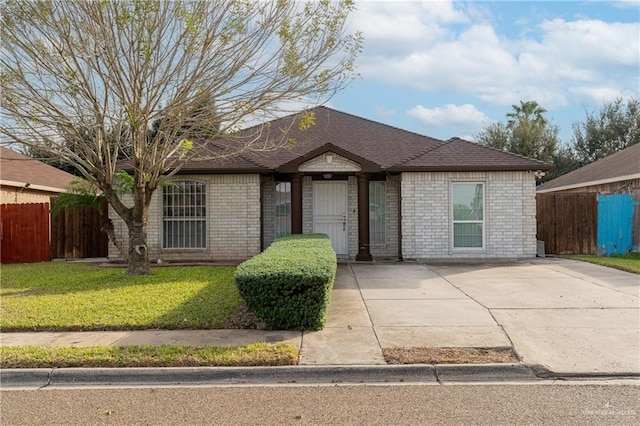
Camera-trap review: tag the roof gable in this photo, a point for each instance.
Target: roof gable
(368, 140)
(321, 154)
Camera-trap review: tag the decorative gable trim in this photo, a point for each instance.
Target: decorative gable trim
(319, 154)
(329, 162)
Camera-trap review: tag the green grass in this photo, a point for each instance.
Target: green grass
(64, 296)
(629, 262)
(257, 354)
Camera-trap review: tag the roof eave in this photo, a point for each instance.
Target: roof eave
(462, 168)
(589, 183)
(30, 186)
(211, 171)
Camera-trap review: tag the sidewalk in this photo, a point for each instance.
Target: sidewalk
(151, 337)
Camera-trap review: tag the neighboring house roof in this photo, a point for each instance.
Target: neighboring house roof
(19, 170)
(378, 147)
(620, 166)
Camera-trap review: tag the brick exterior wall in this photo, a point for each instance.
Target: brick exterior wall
(233, 217)
(233, 221)
(509, 217)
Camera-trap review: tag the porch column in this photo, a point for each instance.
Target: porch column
(363, 218)
(296, 204)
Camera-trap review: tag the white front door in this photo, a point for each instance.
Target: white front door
(330, 213)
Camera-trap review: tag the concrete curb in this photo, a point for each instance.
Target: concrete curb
(24, 377)
(483, 372)
(264, 375)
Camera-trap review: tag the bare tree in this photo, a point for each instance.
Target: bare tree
(117, 67)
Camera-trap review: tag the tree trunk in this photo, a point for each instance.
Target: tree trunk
(138, 261)
(106, 226)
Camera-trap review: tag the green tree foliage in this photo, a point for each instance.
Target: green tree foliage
(611, 129)
(527, 132)
(85, 81)
(563, 161)
(87, 134)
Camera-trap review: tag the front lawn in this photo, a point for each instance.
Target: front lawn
(257, 354)
(630, 262)
(67, 296)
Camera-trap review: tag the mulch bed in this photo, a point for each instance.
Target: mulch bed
(428, 355)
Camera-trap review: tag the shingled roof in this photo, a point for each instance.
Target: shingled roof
(383, 147)
(622, 165)
(18, 170)
(461, 155)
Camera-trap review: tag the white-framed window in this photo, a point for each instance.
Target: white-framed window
(377, 213)
(184, 215)
(468, 214)
(283, 208)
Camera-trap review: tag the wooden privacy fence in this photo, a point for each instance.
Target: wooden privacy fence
(24, 233)
(568, 222)
(75, 233)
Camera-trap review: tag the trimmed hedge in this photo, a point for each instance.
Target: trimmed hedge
(288, 286)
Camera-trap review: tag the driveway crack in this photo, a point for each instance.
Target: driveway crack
(495, 320)
(366, 307)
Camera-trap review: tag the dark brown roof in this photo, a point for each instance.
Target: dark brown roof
(619, 165)
(19, 168)
(461, 155)
(380, 146)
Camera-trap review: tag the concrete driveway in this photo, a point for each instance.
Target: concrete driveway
(570, 317)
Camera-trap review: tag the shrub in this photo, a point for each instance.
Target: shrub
(288, 286)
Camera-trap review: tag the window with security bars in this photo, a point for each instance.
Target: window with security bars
(283, 209)
(468, 215)
(184, 217)
(377, 213)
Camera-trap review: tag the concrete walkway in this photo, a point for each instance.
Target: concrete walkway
(567, 316)
(348, 337)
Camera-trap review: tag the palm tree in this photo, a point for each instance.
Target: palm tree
(528, 111)
(82, 194)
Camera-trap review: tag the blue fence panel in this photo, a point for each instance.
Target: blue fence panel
(615, 223)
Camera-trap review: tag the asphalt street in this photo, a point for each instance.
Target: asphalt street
(548, 403)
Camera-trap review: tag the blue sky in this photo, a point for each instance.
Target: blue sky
(448, 68)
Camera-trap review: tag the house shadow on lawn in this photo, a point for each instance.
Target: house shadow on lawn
(218, 305)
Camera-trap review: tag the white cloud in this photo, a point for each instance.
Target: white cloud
(395, 28)
(465, 118)
(590, 43)
(443, 11)
(598, 94)
(622, 4)
(446, 47)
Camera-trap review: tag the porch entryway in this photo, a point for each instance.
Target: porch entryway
(330, 213)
